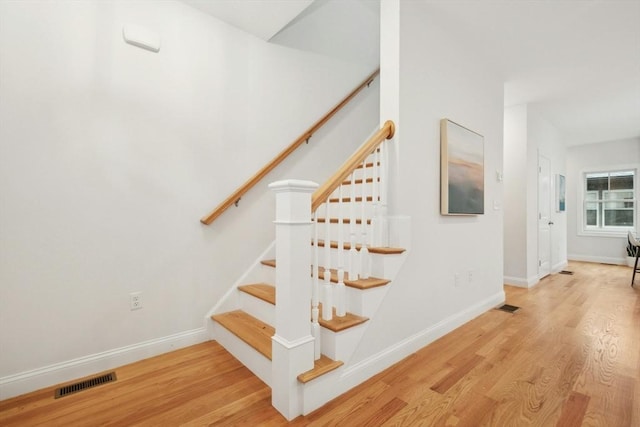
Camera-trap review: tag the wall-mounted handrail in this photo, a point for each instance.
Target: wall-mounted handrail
(324, 191)
(244, 188)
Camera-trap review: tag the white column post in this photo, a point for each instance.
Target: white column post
(292, 345)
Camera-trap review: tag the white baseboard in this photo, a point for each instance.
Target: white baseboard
(559, 266)
(365, 369)
(520, 282)
(599, 259)
(25, 382)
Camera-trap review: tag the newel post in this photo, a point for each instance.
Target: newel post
(292, 345)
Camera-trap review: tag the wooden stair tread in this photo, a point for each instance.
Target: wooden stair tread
(371, 282)
(348, 199)
(269, 262)
(321, 367)
(337, 324)
(262, 291)
(368, 165)
(372, 249)
(359, 181)
(344, 221)
(249, 329)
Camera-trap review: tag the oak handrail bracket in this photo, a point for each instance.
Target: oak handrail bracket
(244, 188)
(324, 191)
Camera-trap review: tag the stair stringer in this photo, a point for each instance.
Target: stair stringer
(363, 302)
(331, 385)
(231, 300)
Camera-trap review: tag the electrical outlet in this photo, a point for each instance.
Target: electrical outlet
(135, 300)
(470, 276)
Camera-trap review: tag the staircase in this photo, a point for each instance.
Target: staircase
(337, 270)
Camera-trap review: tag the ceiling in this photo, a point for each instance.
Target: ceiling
(575, 62)
(262, 18)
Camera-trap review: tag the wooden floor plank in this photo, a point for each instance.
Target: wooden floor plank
(573, 410)
(569, 356)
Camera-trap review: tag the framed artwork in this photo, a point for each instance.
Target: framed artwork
(560, 193)
(461, 170)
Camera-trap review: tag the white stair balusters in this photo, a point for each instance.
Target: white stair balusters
(375, 197)
(340, 294)
(354, 264)
(365, 259)
(327, 300)
(315, 291)
(384, 222)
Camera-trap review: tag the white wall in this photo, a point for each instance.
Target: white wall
(594, 157)
(528, 135)
(110, 154)
(515, 194)
(436, 81)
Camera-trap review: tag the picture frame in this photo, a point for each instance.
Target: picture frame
(561, 193)
(461, 170)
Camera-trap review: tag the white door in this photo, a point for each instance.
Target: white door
(544, 216)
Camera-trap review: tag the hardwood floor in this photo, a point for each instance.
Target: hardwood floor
(569, 357)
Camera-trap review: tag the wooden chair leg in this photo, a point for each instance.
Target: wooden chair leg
(635, 269)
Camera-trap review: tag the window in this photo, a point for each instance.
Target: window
(609, 201)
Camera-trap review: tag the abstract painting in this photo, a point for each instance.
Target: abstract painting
(461, 170)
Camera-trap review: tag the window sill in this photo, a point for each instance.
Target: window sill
(607, 233)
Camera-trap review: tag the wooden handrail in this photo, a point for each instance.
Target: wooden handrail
(324, 191)
(236, 195)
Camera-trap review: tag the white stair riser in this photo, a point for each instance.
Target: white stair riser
(346, 209)
(346, 192)
(381, 264)
(365, 302)
(387, 266)
(346, 232)
(247, 355)
(341, 345)
(258, 308)
(269, 275)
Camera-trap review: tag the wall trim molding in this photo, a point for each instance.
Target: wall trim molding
(376, 363)
(598, 259)
(559, 266)
(521, 282)
(46, 376)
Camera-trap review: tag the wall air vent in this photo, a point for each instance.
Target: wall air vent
(86, 384)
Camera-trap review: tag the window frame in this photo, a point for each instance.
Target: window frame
(602, 230)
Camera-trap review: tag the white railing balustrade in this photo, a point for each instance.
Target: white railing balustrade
(327, 300)
(341, 306)
(299, 216)
(315, 291)
(365, 258)
(354, 260)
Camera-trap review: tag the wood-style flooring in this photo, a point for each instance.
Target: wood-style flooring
(569, 357)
